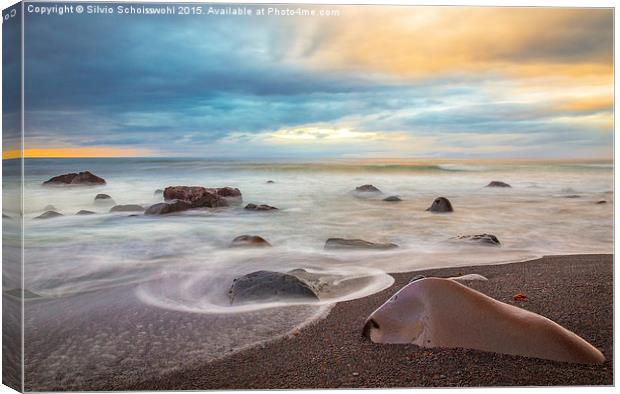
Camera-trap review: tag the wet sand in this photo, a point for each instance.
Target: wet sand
(575, 291)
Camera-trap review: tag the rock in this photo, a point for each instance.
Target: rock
(392, 199)
(102, 197)
(519, 297)
(497, 184)
(367, 189)
(269, 286)
(167, 207)
(572, 196)
(262, 207)
(601, 202)
(158, 191)
(483, 239)
(270, 181)
(127, 208)
(5, 216)
(202, 197)
(49, 208)
(85, 212)
(249, 241)
(440, 204)
(341, 243)
(82, 178)
(49, 215)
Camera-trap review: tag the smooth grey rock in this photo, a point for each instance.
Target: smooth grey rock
(262, 207)
(253, 241)
(127, 208)
(392, 199)
(269, 286)
(440, 204)
(483, 239)
(49, 215)
(85, 212)
(167, 207)
(342, 243)
(497, 184)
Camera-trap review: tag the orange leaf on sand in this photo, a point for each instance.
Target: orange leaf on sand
(519, 297)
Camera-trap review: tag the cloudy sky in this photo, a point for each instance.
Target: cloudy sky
(373, 82)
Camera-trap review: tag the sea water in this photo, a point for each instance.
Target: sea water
(132, 296)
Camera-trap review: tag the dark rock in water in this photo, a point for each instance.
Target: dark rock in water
(164, 208)
(49, 215)
(417, 277)
(249, 241)
(367, 189)
(573, 196)
(440, 204)
(127, 208)
(601, 202)
(5, 216)
(102, 197)
(202, 197)
(498, 184)
(158, 191)
(269, 286)
(342, 243)
(85, 212)
(483, 239)
(81, 178)
(262, 207)
(392, 199)
(49, 208)
(270, 181)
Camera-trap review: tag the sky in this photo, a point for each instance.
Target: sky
(371, 82)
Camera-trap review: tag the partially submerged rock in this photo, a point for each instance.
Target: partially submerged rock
(261, 207)
(254, 241)
(392, 199)
(270, 181)
(80, 178)
(102, 196)
(600, 202)
(104, 199)
(49, 215)
(342, 243)
(167, 207)
(127, 208)
(440, 204)
(85, 212)
(436, 312)
(497, 184)
(269, 286)
(482, 239)
(50, 208)
(158, 192)
(367, 189)
(202, 197)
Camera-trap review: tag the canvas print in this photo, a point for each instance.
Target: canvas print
(296, 196)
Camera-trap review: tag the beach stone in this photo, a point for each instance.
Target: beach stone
(269, 286)
(127, 208)
(392, 199)
(483, 239)
(81, 178)
(102, 196)
(270, 181)
(262, 207)
(342, 243)
(440, 204)
(497, 184)
(249, 241)
(5, 216)
(158, 192)
(49, 208)
(49, 215)
(104, 199)
(601, 202)
(202, 197)
(85, 212)
(367, 189)
(167, 207)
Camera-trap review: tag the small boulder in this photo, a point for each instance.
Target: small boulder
(85, 212)
(49, 208)
(483, 239)
(601, 202)
(262, 207)
(367, 189)
(5, 216)
(254, 241)
(127, 208)
(269, 286)
(81, 178)
(102, 197)
(342, 243)
(167, 207)
(270, 181)
(202, 197)
(49, 215)
(392, 199)
(440, 204)
(497, 184)
(158, 192)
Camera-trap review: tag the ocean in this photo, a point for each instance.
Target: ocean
(133, 296)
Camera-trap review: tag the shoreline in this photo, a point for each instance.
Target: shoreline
(576, 291)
